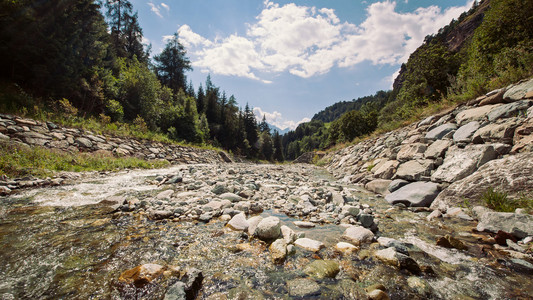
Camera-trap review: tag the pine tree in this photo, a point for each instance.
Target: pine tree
(171, 65)
(263, 126)
(278, 148)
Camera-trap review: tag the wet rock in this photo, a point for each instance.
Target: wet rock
(346, 247)
(520, 266)
(378, 186)
(415, 170)
(309, 244)
(350, 210)
(502, 237)
(397, 245)
(304, 224)
(433, 215)
(238, 222)
(392, 257)
(303, 288)
(160, 214)
(278, 251)
(449, 241)
(175, 179)
(414, 194)
(4, 190)
(141, 275)
(378, 295)
(366, 220)
(459, 163)
(440, 131)
(322, 269)
(176, 292)
(268, 229)
(421, 286)
(499, 174)
(358, 235)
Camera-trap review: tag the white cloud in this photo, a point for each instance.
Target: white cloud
(275, 118)
(306, 41)
(156, 9)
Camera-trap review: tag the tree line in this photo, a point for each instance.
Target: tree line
(67, 52)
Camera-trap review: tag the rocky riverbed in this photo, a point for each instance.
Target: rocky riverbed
(247, 231)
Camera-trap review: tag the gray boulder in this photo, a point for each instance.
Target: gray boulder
(358, 235)
(500, 174)
(519, 91)
(440, 131)
(268, 229)
(378, 186)
(396, 184)
(414, 194)
(411, 151)
(520, 225)
(464, 133)
(460, 163)
(509, 110)
(415, 170)
(302, 288)
(238, 222)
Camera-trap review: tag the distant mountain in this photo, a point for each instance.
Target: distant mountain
(335, 111)
(281, 131)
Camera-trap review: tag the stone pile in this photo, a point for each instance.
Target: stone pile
(14, 129)
(449, 157)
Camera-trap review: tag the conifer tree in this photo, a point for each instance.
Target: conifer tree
(171, 65)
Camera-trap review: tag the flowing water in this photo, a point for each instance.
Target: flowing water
(62, 243)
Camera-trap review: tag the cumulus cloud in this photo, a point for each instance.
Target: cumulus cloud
(308, 41)
(165, 6)
(275, 118)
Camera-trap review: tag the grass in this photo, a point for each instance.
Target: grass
(18, 161)
(499, 201)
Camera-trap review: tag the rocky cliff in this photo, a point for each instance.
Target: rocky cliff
(451, 157)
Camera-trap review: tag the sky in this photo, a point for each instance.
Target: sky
(291, 59)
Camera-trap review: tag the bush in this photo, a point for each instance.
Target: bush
(499, 201)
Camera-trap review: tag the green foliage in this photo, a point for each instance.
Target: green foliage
(500, 201)
(114, 110)
(18, 161)
(171, 65)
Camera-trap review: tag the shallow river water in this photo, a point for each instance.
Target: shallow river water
(63, 243)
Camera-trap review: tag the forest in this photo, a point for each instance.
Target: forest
(85, 60)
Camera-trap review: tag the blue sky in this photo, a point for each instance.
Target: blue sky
(291, 59)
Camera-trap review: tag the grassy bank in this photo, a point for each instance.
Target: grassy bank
(19, 160)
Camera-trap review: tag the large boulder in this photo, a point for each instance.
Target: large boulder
(501, 175)
(474, 114)
(268, 229)
(302, 288)
(309, 244)
(519, 91)
(509, 110)
(378, 186)
(358, 235)
(437, 149)
(278, 251)
(441, 131)
(502, 133)
(322, 269)
(238, 222)
(411, 151)
(385, 169)
(414, 194)
(520, 225)
(464, 133)
(414, 170)
(460, 163)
